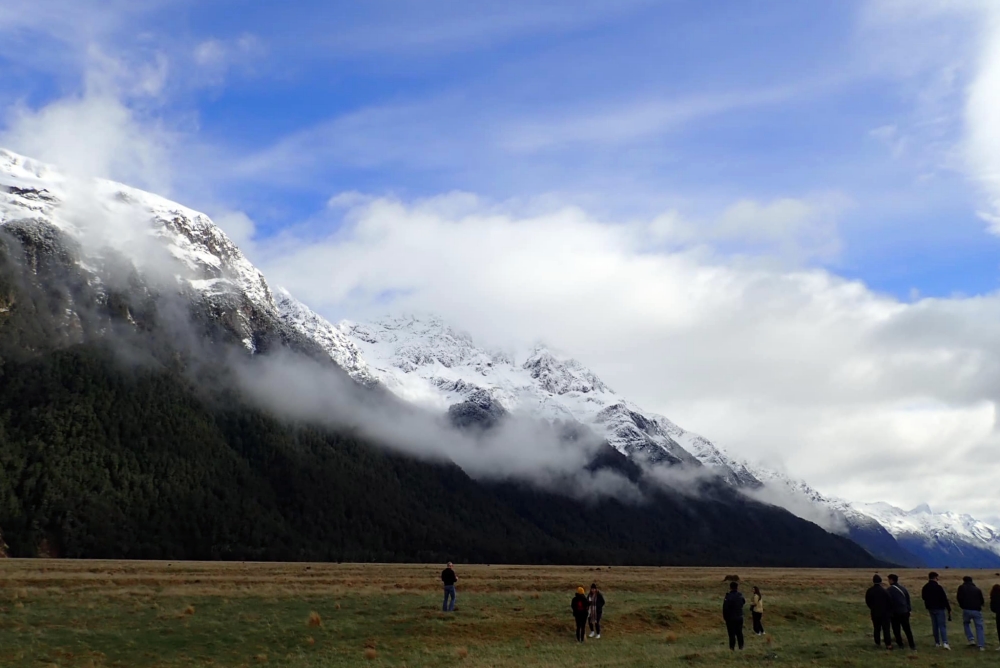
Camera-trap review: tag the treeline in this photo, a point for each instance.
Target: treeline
(112, 454)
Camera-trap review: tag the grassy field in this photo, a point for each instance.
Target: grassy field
(134, 614)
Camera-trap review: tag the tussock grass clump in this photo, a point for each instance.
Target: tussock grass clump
(314, 620)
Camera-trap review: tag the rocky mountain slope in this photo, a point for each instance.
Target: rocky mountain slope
(424, 360)
(128, 325)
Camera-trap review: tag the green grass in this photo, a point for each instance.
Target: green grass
(134, 614)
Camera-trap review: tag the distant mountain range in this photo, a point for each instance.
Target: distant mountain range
(196, 471)
(426, 361)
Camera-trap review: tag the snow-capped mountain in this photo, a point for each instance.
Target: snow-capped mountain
(98, 226)
(937, 539)
(170, 245)
(423, 360)
(914, 538)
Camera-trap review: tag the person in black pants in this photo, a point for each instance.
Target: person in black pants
(995, 606)
(581, 610)
(878, 602)
(732, 612)
(757, 611)
(900, 610)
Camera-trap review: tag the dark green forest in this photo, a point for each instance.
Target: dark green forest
(114, 444)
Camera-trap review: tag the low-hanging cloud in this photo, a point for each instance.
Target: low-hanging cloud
(299, 388)
(865, 396)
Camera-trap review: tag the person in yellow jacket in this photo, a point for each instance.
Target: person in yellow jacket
(757, 611)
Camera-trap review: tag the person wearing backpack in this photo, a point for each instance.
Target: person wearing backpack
(900, 611)
(732, 612)
(937, 604)
(995, 607)
(878, 602)
(581, 610)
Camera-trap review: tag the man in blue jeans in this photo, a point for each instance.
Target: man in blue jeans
(449, 579)
(970, 599)
(937, 604)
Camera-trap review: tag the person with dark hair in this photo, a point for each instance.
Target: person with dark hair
(900, 611)
(448, 578)
(878, 602)
(581, 609)
(995, 607)
(757, 611)
(596, 600)
(732, 612)
(937, 604)
(970, 600)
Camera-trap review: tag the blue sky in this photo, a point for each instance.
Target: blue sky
(773, 221)
(629, 107)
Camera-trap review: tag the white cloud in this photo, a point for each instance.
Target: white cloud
(982, 116)
(215, 58)
(92, 135)
(950, 51)
(630, 122)
(862, 395)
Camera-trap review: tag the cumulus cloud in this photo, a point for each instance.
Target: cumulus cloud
(952, 49)
(864, 396)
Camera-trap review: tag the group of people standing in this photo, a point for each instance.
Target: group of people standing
(587, 610)
(891, 606)
(732, 614)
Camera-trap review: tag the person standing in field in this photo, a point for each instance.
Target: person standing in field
(995, 607)
(757, 611)
(581, 610)
(937, 604)
(449, 579)
(878, 602)
(596, 600)
(970, 600)
(901, 609)
(732, 612)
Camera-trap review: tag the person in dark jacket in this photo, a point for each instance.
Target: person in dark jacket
(937, 604)
(900, 612)
(995, 607)
(970, 600)
(732, 612)
(596, 600)
(581, 610)
(878, 602)
(448, 578)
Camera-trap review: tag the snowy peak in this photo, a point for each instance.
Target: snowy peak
(180, 248)
(423, 359)
(560, 376)
(330, 339)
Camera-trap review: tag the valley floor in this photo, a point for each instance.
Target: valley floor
(136, 614)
